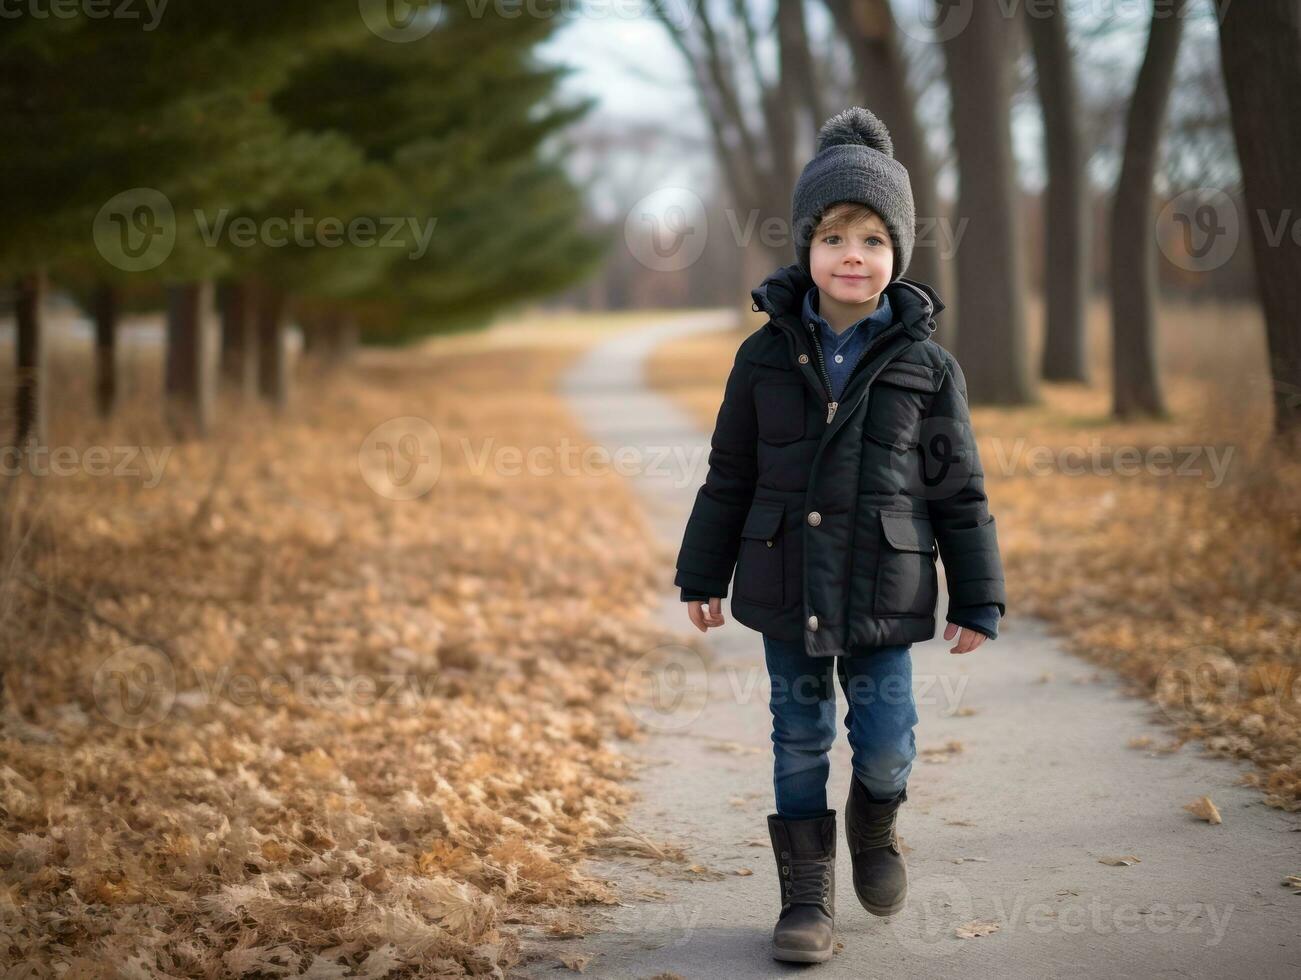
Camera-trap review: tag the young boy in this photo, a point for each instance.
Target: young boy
(842, 464)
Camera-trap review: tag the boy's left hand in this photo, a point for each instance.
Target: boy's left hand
(968, 641)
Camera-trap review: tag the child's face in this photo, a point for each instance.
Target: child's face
(852, 264)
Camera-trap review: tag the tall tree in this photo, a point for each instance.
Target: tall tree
(176, 109)
(990, 262)
(1136, 377)
(461, 136)
(1066, 204)
(881, 79)
(1260, 48)
(31, 358)
(756, 142)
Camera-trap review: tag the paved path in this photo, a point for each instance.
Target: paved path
(1010, 829)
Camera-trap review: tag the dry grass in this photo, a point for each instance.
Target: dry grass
(1188, 585)
(262, 720)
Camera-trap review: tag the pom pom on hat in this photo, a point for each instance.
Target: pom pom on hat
(855, 126)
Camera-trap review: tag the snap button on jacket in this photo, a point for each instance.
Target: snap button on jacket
(831, 515)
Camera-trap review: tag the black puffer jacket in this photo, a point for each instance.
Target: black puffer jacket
(833, 513)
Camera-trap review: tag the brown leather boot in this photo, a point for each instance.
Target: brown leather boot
(805, 849)
(880, 874)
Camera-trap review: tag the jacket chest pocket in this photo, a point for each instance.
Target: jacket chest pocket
(906, 581)
(760, 567)
(779, 410)
(901, 396)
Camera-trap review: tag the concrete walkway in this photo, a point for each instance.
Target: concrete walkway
(1023, 783)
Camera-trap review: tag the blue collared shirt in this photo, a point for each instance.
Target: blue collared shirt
(842, 350)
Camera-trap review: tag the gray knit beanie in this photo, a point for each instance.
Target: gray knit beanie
(855, 162)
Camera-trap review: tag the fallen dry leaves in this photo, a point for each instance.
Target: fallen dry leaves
(976, 928)
(1203, 809)
(940, 753)
(389, 738)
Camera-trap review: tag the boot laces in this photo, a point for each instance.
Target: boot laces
(872, 833)
(808, 881)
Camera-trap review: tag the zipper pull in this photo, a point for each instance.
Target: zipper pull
(831, 410)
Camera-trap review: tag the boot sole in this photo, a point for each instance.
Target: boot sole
(800, 955)
(883, 910)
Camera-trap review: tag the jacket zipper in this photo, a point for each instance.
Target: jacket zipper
(826, 378)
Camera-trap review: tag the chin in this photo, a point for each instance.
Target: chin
(855, 289)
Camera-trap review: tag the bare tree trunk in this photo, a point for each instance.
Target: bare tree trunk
(1136, 384)
(30, 362)
(106, 320)
(796, 98)
(881, 76)
(990, 265)
(1260, 48)
(758, 166)
(1066, 225)
(273, 354)
(239, 346)
(190, 382)
(337, 335)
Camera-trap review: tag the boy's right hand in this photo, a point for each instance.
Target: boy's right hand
(702, 617)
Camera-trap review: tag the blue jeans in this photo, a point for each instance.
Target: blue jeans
(880, 720)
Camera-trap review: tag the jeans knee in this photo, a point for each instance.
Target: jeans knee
(884, 769)
(811, 735)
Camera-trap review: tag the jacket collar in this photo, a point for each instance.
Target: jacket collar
(781, 296)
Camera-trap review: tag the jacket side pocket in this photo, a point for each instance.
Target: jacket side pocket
(906, 580)
(760, 568)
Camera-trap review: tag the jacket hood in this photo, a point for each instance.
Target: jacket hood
(781, 296)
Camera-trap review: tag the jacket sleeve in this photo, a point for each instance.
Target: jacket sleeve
(712, 537)
(959, 509)
(982, 619)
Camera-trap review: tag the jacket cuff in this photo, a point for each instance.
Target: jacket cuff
(698, 585)
(973, 570)
(982, 619)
